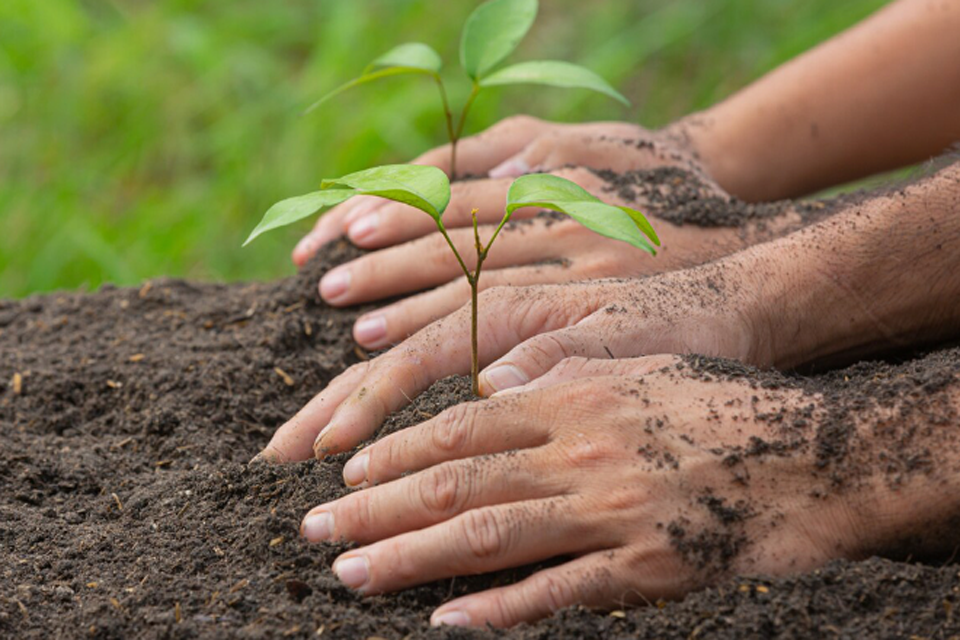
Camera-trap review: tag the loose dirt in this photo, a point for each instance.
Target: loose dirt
(127, 509)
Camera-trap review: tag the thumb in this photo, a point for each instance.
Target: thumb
(578, 367)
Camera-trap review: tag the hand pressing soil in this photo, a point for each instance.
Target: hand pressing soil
(127, 508)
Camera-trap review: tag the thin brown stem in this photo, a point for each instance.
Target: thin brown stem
(443, 232)
(474, 306)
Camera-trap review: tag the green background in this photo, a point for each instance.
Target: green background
(146, 137)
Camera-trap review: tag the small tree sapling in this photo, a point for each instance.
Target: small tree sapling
(428, 189)
(490, 34)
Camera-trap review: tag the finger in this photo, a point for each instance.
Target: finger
(477, 154)
(598, 579)
(578, 367)
(427, 498)
(394, 222)
(332, 225)
(477, 541)
(509, 315)
(398, 321)
(426, 262)
(293, 441)
(562, 148)
(589, 338)
(462, 431)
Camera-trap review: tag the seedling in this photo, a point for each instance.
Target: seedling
(428, 189)
(490, 34)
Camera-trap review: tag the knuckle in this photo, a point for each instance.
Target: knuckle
(484, 534)
(554, 591)
(499, 296)
(581, 452)
(583, 177)
(357, 369)
(571, 365)
(451, 432)
(437, 254)
(389, 457)
(355, 516)
(441, 490)
(517, 121)
(504, 608)
(603, 265)
(549, 347)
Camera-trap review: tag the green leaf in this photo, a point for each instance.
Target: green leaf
(425, 187)
(365, 78)
(492, 31)
(293, 209)
(559, 194)
(412, 55)
(553, 73)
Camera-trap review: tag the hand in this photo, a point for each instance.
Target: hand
(646, 474)
(708, 310)
(538, 251)
(505, 143)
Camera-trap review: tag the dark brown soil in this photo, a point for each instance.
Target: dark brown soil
(127, 509)
(680, 197)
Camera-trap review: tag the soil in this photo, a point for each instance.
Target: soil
(128, 509)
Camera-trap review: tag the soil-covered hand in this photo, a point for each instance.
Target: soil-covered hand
(538, 251)
(505, 150)
(524, 332)
(654, 477)
(827, 291)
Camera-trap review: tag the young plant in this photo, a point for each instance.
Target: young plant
(490, 34)
(428, 189)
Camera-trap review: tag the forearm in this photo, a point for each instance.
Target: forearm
(881, 95)
(881, 274)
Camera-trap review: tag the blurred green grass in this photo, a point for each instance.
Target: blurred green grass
(142, 138)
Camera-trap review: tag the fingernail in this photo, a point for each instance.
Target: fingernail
(318, 527)
(512, 168)
(353, 572)
(355, 471)
(323, 432)
(335, 284)
(306, 245)
(370, 331)
(503, 377)
(364, 227)
(450, 618)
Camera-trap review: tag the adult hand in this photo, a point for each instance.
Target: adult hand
(709, 310)
(511, 143)
(822, 292)
(642, 472)
(538, 251)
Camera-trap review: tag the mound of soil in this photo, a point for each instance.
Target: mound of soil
(128, 510)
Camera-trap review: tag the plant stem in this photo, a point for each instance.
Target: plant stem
(473, 279)
(474, 282)
(455, 134)
(453, 248)
(451, 134)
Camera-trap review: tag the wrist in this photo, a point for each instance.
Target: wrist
(726, 156)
